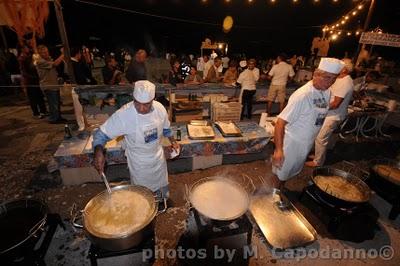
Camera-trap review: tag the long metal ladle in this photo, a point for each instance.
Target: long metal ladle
(106, 182)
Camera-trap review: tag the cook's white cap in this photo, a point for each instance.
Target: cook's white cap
(144, 91)
(331, 65)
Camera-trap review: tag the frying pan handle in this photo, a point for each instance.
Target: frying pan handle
(75, 215)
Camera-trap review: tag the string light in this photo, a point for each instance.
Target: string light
(343, 22)
(295, 1)
(250, 1)
(346, 17)
(360, 7)
(339, 32)
(272, 1)
(354, 13)
(334, 36)
(357, 32)
(349, 33)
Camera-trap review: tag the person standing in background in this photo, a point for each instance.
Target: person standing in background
(48, 79)
(248, 79)
(279, 75)
(137, 68)
(30, 81)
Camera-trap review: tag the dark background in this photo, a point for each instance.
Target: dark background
(261, 28)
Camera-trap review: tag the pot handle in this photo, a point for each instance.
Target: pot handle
(75, 215)
(353, 168)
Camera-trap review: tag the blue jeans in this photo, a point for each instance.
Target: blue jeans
(53, 100)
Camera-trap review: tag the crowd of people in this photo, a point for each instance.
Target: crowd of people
(42, 76)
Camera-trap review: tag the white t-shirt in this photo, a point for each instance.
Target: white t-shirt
(207, 67)
(343, 88)
(123, 122)
(280, 73)
(225, 61)
(249, 78)
(298, 113)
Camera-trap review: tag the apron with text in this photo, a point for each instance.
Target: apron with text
(296, 149)
(146, 161)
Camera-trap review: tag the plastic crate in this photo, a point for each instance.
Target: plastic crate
(226, 111)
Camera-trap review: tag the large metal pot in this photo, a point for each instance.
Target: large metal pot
(337, 199)
(21, 224)
(128, 239)
(210, 203)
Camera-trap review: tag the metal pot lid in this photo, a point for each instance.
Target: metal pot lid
(219, 198)
(127, 210)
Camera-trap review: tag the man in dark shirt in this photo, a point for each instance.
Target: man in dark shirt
(30, 81)
(83, 75)
(137, 69)
(111, 73)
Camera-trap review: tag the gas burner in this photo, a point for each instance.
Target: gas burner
(211, 229)
(353, 222)
(96, 253)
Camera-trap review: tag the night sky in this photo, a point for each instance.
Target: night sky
(260, 28)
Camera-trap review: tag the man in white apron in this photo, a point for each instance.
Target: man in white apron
(142, 122)
(341, 94)
(300, 121)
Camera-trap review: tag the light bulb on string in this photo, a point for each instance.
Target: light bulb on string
(360, 7)
(337, 25)
(250, 1)
(295, 1)
(272, 1)
(334, 37)
(339, 33)
(343, 22)
(346, 17)
(331, 32)
(349, 33)
(354, 13)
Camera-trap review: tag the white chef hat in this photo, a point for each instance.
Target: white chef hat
(331, 65)
(144, 91)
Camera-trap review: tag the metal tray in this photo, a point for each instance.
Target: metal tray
(282, 228)
(199, 123)
(200, 132)
(227, 134)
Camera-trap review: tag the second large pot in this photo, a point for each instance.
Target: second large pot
(338, 198)
(101, 226)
